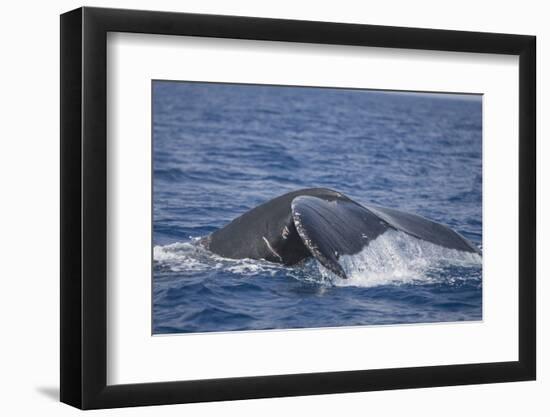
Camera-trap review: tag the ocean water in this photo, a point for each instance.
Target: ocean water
(222, 149)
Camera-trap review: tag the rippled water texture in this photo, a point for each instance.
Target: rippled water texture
(221, 149)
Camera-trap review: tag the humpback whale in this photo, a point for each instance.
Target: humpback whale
(320, 223)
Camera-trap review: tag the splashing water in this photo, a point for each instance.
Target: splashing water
(391, 259)
(397, 258)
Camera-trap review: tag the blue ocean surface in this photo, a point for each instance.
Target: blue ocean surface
(222, 149)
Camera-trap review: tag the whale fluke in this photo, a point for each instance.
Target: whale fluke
(321, 223)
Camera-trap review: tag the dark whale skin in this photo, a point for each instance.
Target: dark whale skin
(244, 236)
(322, 223)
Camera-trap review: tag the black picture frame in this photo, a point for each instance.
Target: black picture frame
(84, 207)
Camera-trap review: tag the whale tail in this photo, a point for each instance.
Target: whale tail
(324, 224)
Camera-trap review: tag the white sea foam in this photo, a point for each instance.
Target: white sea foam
(391, 259)
(182, 256)
(193, 257)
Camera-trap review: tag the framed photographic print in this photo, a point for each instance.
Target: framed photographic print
(257, 207)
